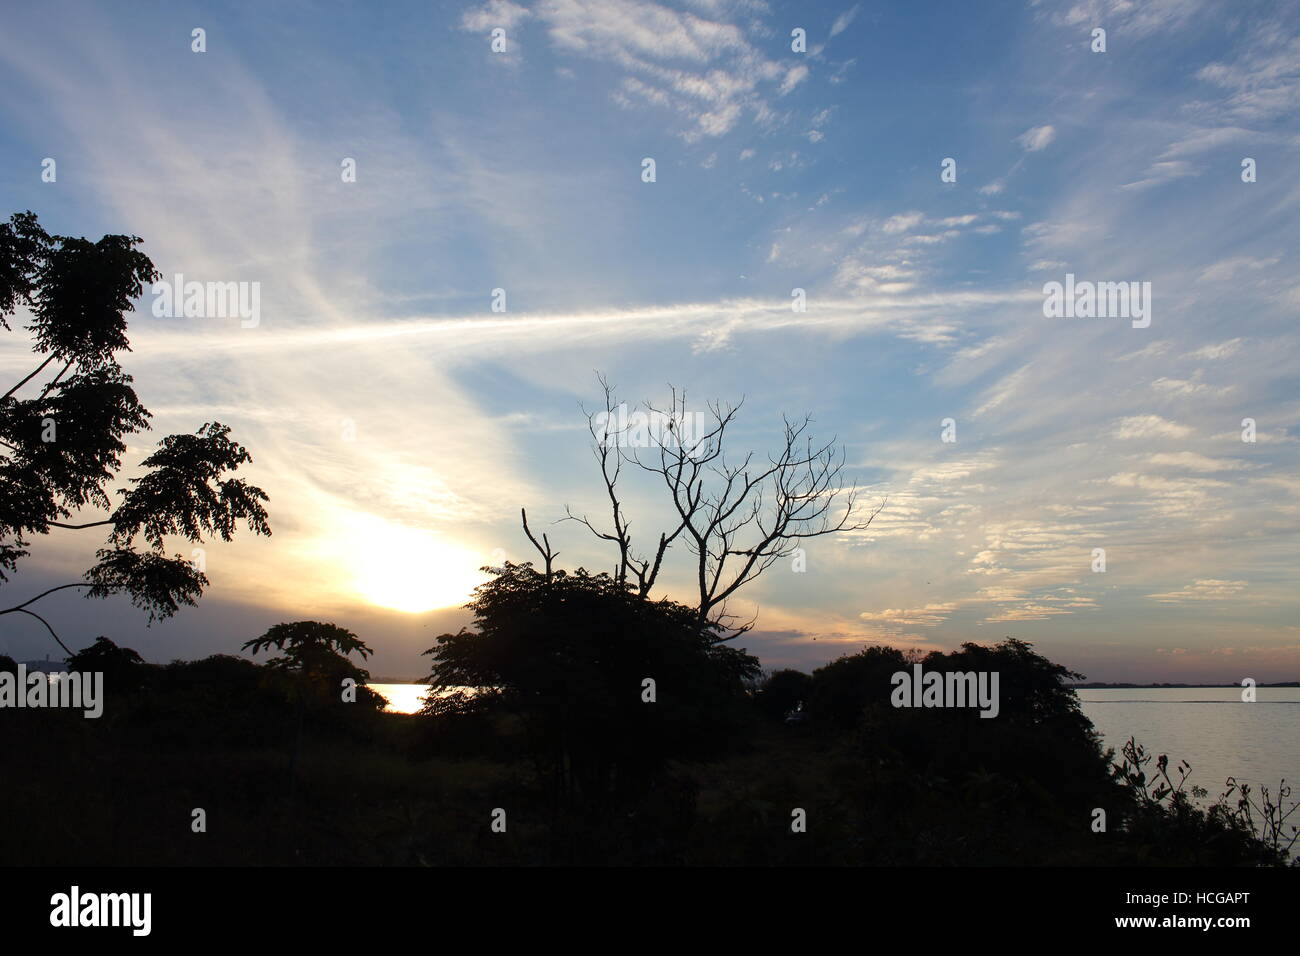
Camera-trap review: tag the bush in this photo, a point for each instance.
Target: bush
(568, 654)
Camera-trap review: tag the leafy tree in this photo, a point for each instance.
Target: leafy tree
(842, 690)
(122, 667)
(569, 655)
(61, 447)
(316, 654)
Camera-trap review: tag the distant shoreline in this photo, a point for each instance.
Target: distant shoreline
(397, 680)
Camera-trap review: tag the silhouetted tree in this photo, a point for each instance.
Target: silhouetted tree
(316, 653)
(842, 690)
(737, 517)
(122, 667)
(61, 447)
(570, 655)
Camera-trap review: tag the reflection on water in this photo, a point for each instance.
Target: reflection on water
(408, 698)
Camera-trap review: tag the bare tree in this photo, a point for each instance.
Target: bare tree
(737, 518)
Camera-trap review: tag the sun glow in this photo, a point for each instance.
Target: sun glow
(410, 570)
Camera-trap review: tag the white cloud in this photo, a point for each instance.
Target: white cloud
(902, 222)
(1226, 269)
(1158, 174)
(793, 78)
(1206, 589)
(1192, 461)
(928, 616)
(706, 70)
(843, 20)
(1134, 18)
(1216, 351)
(1037, 138)
(493, 14)
(1149, 426)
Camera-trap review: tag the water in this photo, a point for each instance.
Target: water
(1209, 727)
(408, 698)
(402, 698)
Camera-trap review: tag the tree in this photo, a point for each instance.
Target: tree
(737, 517)
(570, 654)
(61, 447)
(313, 650)
(122, 667)
(842, 690)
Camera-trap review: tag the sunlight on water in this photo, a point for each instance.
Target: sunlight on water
(407, 698)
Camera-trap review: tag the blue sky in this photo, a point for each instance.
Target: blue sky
(399, 424)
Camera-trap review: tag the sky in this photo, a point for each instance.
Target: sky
(920, 169)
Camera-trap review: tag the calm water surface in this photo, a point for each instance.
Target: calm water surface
(1209, 727)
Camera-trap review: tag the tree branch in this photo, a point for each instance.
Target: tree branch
(19, 607)
(547, 554)
(48, 359)
(43, 621)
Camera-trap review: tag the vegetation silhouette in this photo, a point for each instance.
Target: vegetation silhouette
(612, 727)
(123, 668)
(736, 515)
(607, 685)
(60, 448)
(314, 660)
(706, 775)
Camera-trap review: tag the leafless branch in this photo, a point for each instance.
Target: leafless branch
(737, 518)
(547, 554)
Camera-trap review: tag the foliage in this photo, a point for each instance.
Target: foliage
(1168, 828)
(374, 788)
(568, 654)
(314, 658)
(122, 667)
(61, 447)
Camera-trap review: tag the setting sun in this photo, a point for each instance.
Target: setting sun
(411, 570)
